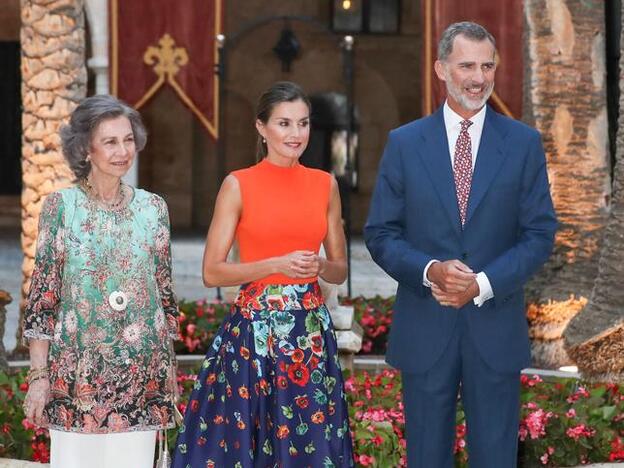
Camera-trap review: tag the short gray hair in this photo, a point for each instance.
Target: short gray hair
(77, 134)
(469, 30)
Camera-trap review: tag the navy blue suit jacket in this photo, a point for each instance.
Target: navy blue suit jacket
(508, 234)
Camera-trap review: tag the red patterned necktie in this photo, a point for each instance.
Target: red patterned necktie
(462, 169)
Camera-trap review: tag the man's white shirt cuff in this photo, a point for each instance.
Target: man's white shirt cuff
(426, 282)
(485, 289)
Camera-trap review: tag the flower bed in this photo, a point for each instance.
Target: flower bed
(563, 422)
(375, 316)
(200, 320)
(18, 438)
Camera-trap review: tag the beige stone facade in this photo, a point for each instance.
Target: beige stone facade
(53, 82)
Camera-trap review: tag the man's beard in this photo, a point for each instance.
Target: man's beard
(463, 100)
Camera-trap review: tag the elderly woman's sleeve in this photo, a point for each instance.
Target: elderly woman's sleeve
(163, 269)
(45, 286)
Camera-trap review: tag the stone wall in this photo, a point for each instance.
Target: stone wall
(565, 98)
(53, 82)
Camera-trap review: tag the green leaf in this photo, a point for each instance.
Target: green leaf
(287, 411)
(608, 412)
(312, 324)
(598, 391)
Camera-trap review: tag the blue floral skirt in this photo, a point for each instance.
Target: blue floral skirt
(270, 392)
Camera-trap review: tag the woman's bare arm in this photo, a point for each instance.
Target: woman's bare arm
(216, 270)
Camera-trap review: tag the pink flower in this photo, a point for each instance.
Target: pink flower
(350, 385)
(579, 431)
(530, 381)
(544, 459)
(523, 433)
(580, 392)
(571, 413)
(535, 424)
(366, 460)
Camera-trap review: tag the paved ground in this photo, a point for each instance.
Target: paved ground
(367, 278)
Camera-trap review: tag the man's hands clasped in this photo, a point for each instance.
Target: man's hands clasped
(453, 283)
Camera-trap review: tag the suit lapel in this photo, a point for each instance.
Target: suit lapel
(490, 158)
(437, 160)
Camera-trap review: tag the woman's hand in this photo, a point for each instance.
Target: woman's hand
(37, 397)
(300, 264)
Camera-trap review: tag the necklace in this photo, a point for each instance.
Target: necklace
(114, 204)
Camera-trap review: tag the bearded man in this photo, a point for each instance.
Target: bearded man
(461, 217)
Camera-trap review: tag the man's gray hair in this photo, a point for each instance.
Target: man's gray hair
(76, 136)
(469, 30)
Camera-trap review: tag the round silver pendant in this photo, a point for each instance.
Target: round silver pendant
(118, 300)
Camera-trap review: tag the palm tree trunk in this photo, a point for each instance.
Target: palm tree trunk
(595, 337)
(565, 98)
(54, 80)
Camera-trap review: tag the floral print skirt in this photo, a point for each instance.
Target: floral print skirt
(270, 392)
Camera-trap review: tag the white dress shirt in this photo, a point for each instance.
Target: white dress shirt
(452, 122)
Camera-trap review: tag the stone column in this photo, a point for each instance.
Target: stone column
(54, 80)
(565, 98)
(97, 15)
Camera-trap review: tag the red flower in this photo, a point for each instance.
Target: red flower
(264, 386)
(243, 392)
(299, 374)
(617, 450)
(314, 362)
(317, 344)
(282, 431)
(310, 301)
(302, 401)
(297, 355)
(282, 383)
(194, 406)
(318, 417)
(244, 352)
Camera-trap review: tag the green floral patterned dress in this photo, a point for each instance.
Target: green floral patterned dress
(101, 293)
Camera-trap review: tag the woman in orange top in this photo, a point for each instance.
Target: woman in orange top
(270, 392)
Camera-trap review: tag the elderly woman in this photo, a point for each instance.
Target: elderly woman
(101, 314)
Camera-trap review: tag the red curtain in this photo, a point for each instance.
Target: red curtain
(155, 43)
(504, 20)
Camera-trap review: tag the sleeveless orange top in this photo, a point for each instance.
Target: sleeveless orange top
(284, 209)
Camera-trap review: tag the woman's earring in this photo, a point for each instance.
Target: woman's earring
(88, 158)
(264, 141)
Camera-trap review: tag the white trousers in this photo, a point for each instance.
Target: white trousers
(117, 450)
